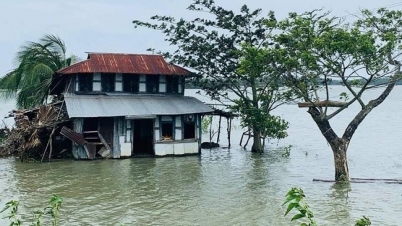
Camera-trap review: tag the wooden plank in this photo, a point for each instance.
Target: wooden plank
(104, 153)
(75, 137)
(104, 142)
(324, 103)
(362, 180)
(91, 150)
(96, 143)
(90, 132)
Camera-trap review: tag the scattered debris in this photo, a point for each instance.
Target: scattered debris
(35, 131)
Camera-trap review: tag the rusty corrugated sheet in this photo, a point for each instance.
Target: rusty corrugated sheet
(124, 63)
(133, 106)
(76, 137)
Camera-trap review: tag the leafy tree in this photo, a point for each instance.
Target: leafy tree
(37, 61)
(229, 52)
(314, 48)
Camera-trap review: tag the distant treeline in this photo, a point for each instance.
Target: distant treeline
(190, 84)
(379, 81)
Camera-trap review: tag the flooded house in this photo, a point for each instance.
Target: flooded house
(126, 105)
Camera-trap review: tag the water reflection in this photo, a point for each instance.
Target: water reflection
(339, 201)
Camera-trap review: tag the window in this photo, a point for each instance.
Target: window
(131, 83)
(108, 82)
(85, 83)
(152, 83)
(167, 128)
(172, 84)
(189, 127)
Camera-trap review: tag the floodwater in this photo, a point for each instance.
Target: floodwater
(226, 186)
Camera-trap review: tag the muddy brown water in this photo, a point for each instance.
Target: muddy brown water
(225, 186)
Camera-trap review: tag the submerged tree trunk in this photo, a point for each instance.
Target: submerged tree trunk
(338, 145)
(257, 146)
(339, 149)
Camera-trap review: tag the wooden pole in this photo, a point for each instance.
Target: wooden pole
(44, 153)
(219, 129)
(210, 131)
(229, 128)
(51, 143)
(51, 148)
(249, 136)
(241, 139)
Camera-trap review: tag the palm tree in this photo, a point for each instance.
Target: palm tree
(29, 83)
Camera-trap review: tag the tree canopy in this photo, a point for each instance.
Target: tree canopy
(313, 48)
(29, 82)
(228, 51)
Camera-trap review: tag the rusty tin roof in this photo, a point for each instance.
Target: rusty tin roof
(124, 63)
(83, 106)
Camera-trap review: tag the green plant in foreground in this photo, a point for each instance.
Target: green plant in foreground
(364, 221)
(295, 200)
(54, 208)
(51, 209)
(12, 216)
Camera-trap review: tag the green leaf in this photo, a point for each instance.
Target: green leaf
(297, 216)
(290, 207)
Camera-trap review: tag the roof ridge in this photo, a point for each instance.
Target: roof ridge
(132, 54)
(125, 63)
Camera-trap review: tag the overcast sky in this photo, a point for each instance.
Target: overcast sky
(106, 26)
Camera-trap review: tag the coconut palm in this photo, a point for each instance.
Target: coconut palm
(29, 83)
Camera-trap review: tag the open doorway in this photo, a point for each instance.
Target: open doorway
(143, 137)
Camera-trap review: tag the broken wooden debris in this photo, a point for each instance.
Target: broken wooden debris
(324, 103)
(75, 137)
(104, 142)
(90, 148)
(104, 153)
(30, 135)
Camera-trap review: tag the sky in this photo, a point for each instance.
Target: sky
(106, 26)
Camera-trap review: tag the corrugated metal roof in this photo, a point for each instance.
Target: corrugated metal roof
(124, 63)
(133, 106)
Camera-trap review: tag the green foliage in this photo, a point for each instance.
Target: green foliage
(29, 83)
(286, 151)
(344, 96)
(206, 123)
(364, 221)
(295, 200)
(315, 48)
(52, 210)
(12, 216)
(232, 54)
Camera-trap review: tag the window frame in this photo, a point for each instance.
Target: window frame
(154, 81)
(165, 120)
(129, 78)
(172, 84)
(110, 82)
(194, 126)
(88, 81)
